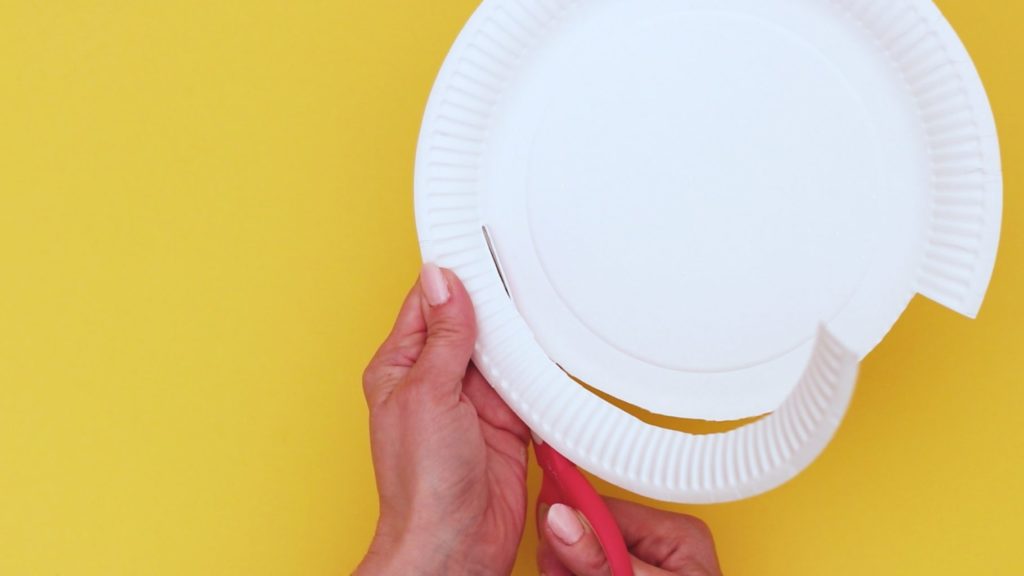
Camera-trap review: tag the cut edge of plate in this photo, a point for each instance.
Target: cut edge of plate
(675, 466)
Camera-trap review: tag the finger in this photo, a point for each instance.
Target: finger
(490, 407)
(451, 334)
(548, 563)
(678, 543)
(399, 351)
(574, 542)
(590, 555)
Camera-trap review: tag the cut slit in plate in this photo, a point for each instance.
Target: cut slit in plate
(685, 199)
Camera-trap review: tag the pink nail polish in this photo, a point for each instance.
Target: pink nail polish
(434, 285)
(565, 524)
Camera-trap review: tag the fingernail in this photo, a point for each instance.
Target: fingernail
(565, 524)
(434, 285)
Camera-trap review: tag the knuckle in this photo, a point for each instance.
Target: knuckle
(378, 381)
(370, 376)
(406, 353)
(696, 528)
(595, 565)
(452, 332)
(593, 559)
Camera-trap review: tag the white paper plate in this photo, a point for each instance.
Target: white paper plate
(706, 208)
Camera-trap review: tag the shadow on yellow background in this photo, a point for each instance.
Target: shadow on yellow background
(206, 228)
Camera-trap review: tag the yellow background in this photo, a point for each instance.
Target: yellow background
(205, 230)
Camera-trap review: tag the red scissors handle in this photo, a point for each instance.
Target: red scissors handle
(565, 484)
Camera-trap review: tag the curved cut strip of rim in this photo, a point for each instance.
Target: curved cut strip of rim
(676, 466)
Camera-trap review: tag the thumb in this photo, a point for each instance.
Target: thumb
(451, 334)
(577, 548)
(574, 542)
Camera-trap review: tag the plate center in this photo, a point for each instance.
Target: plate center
(700, 189)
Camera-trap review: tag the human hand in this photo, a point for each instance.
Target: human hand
(661, 543)
(449, 455)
